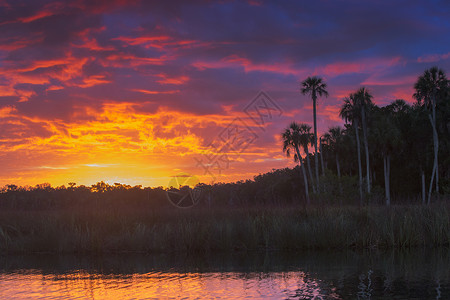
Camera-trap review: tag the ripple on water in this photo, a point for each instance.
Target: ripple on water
(415, 275)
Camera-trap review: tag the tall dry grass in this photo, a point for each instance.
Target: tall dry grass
(204, 230)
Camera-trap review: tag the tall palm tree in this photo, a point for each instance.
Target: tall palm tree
(364, 101)
(306, 139)
(350, 113)
(387, 137)
(431, 85)
(321, 155)
(418, 137)
(333, 138)
(292, 142)
(414, 135)
(315, 86)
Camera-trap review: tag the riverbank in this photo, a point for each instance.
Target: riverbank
(214, 230)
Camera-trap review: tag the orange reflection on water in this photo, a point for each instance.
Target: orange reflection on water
(157, 285)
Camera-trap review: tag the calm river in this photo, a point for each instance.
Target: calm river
(418, 274)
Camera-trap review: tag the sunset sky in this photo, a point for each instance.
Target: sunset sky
(138, 91)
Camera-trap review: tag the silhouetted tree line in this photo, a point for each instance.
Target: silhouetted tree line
(100, 195)
(398, 151)
(275, 187)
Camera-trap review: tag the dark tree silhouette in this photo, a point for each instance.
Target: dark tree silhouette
(350, 112)
(292, 137)
(364, 101)
(315, 86)
(430, 86)
(307, 139)
(386, 137)
(334, 140)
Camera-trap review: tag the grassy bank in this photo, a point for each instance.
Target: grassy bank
(189, 231)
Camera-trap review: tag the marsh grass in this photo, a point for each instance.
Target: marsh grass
(213, 230)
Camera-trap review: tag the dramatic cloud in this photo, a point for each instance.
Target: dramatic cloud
(137, 91)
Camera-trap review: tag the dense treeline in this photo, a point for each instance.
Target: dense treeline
(275, 187)
(44, 196)
(399, 149)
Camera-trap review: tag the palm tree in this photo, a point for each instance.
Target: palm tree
(333, 139)
(306, 139)
(321, 155)
(398, 106)
(292, 142)
(418, 137)
(386, 136)
(350, 113)
(431, 85)
(364, 101)
(315, 86)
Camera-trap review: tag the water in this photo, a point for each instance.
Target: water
(418, 274)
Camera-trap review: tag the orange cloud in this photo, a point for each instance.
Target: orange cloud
(128, 60)
(164, 42)
(39, 15)
(237, 61)
(155, 92)
(142, 39)
(362, 66)
(172, 80)
(7, 111)
(119, 143)
(91, 81)
(68, 70)
(116, 137)
(48, 10)
(404, 93)
(18, 43)
(89, 42)
(331, 112)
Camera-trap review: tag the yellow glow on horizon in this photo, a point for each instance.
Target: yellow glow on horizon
(118, 143)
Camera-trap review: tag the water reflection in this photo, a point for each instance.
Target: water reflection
(418, 274)
(155, 285)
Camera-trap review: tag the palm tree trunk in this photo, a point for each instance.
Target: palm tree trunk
(389, 176)
(338, 167)
(436, 144)
(321, 157)
(305, 178)
(431, 184)
(358, 146)
(424, 193)
(309, 171)
(366, 146)
(386, 162)
(435, 163)
(314, 97)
